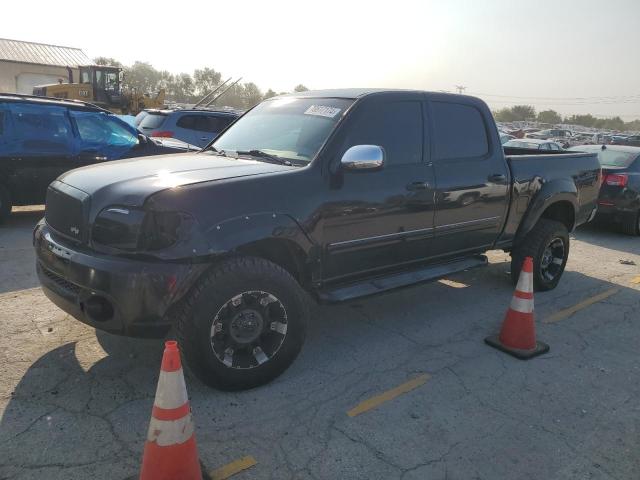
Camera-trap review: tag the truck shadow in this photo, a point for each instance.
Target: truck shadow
(608, 236)
(101, 390)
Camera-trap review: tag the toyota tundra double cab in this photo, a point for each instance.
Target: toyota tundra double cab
(329, 195)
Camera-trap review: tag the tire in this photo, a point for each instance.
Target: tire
(230, 296)
(546, 233)
(5, 204)
(631, 224)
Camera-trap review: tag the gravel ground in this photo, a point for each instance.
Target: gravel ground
(75, 403)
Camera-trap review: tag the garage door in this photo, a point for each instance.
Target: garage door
(26, 81)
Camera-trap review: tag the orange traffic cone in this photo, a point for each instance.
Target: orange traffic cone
(518, 334)
(170, 452)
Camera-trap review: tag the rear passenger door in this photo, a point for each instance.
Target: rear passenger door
(472, 179)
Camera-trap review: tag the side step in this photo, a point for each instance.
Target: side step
(375, 285)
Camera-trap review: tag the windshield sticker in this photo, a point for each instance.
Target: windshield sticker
(322, 111)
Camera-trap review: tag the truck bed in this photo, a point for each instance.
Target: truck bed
(534, 172)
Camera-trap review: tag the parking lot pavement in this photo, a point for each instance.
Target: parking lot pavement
(397, 386)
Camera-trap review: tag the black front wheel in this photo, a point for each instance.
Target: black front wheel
(548, 244)
(243, 324)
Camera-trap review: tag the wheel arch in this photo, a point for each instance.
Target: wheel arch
(272, 236)
(556, 200)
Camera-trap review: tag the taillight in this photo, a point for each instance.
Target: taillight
(162, 133)
(616, 180)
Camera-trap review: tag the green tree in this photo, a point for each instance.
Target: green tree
(524, 112)
(107, 61)
(516, 113)
(587, 120)
(141, 76)
(269, 93)
(251, 95)
(549, 116)
(300, 88)
(205, 80)
(183, 88)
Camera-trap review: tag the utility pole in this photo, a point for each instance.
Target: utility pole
(460, 89)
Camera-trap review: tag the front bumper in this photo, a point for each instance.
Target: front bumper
(117, 295)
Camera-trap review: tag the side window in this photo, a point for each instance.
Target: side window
(187, 121)
(459, 131)
(103, 133)
(395, 126)
(41, 130)
(545, 146)
(215, 124)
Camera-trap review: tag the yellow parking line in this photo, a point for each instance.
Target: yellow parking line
(232, 468)
(636, 280)
(378, 400)
(567, 312)
(452, 283)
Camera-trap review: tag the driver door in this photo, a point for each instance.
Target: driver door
(381, 218)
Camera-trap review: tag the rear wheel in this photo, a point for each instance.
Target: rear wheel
(631, 224)
(5, 204)
(243, 324)
(548, 244)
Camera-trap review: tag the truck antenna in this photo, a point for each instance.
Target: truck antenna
(222, 93)
(203, 99)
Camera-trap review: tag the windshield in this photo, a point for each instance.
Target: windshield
(612, 158)
(290, 128)
(609, 157)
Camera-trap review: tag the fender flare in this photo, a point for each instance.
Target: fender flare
(233, 233)
(551, 192)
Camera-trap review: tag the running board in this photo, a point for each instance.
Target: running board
(398, 280)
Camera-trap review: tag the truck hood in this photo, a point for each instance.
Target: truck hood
(132, 181)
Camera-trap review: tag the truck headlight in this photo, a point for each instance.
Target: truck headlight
(160, 230)
(118, 227)
(132, 230)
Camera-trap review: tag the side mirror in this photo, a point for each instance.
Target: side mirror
(363, 158)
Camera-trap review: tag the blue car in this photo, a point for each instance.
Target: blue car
(193, 126)
(41, 138)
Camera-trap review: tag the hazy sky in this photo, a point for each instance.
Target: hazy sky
(574, 56)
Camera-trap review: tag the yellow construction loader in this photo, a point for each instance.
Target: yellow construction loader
(102, 85)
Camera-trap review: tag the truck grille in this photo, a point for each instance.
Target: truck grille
(67, 210)
(58, 280)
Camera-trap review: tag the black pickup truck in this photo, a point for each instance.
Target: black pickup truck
(332, 195)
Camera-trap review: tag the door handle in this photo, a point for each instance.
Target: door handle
(417, 186)
(497, 178)
(204, 139)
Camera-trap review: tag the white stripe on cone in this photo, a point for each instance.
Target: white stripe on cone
(171, 391)
(170, 432)
(525, 282)
(522, 305)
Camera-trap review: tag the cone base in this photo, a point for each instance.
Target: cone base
(494, 341)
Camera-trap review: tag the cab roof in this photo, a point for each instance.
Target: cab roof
(354, 93)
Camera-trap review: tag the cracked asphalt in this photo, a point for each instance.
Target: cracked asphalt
(75, 403)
